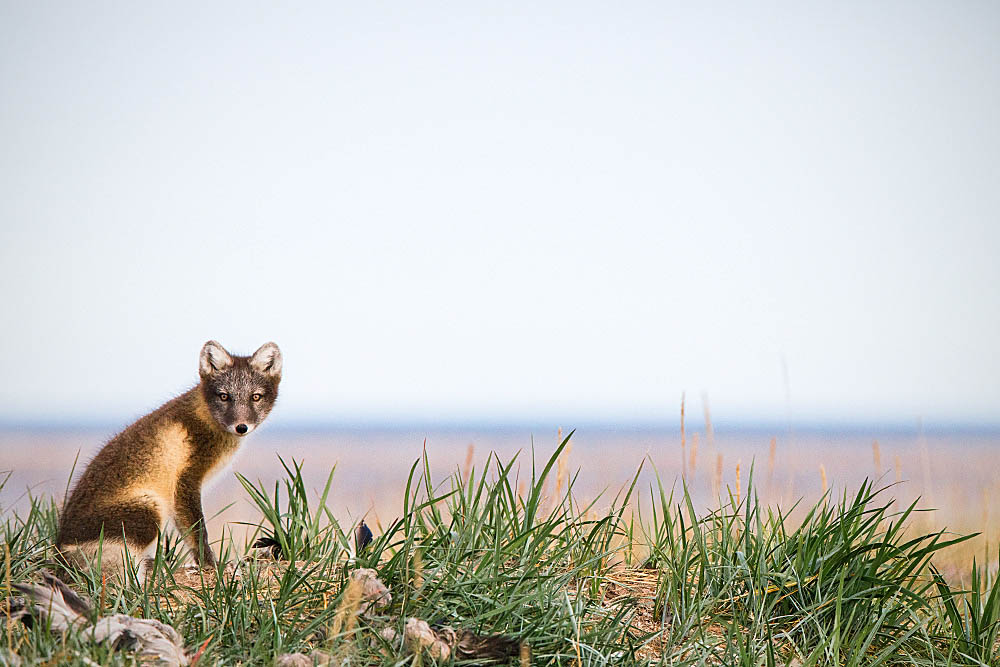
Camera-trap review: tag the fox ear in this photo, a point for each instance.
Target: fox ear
(213, 359)
(267, 360)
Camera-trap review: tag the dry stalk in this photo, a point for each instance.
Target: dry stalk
(346, 616)
(694, 453)
(470, 453)
(631, 542)
(683, 442)
(418, 570)
(738, 483)
(562, 468)
(545, 482)
(717, 478)
(877, 457)
(709, 431)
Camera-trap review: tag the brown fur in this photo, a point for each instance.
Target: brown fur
(154, 470)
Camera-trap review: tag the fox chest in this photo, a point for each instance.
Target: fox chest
(222, 463)
(183, 460)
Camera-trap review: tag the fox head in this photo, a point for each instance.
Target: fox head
(239, 391)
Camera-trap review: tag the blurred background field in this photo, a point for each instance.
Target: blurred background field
(953, 472)
(561, 216)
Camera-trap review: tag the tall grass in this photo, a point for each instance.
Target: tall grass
(631, 578)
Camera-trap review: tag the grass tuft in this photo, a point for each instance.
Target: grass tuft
(624, 580)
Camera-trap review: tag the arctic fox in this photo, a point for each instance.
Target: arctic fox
(154, 470)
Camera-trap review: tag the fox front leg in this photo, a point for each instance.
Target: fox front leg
(191, 519)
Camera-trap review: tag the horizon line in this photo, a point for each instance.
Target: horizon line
(604, 424)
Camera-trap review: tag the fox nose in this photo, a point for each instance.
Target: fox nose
(241, 429)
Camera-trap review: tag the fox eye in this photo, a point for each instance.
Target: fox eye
(223, 396)
(256, 397)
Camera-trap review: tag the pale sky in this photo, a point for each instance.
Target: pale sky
(504, 211)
